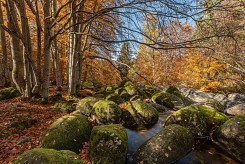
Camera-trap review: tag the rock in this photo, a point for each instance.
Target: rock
(231, 137)
(107, 112)
(159, 108)
(48, 156)
(87, 85)
(167, 146)
(108, 144)
(130, 88)
(175, 91)
(236, 97)
(168, 100)
(211, 103)
(22, 140)
(24, 123)
(196, 95)
(236, 110)
(8, 93)
(69, 132)
(142, 114)
(85, 106)
(115, 98)
(65, 106)
(162, 98)
(200, 120)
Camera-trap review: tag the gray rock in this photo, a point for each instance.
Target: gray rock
(236, 110)
(236, 97)
(231, 137)
(22, 140)
(108, 144)
(169, 145)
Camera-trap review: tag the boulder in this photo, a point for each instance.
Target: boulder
(67, 133)
(168, 100)
(175, 91)
(108, 144)
(211, 103)
(115, 98)
(85, 105)
(200, 120)
(65, 106)
(237, 97)
(107, 112)
(48, 156)
(167, 146)
(162, 98)
(142, 114)
(236, 110)
(231, 137)
(8, 93)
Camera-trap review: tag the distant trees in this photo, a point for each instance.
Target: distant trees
(124, 60)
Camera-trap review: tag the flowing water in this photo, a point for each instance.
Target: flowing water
(208, 153)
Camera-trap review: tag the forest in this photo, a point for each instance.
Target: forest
(101, 81)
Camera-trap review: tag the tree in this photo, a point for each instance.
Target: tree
(124, 61)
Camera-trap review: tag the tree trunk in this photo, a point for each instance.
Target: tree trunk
(4, 74)
(55, 53)
(46, 51)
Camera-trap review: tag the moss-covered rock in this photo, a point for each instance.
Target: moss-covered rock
(130, 88)
(231, 137)
(115, 98)
(200, 120)
(162, 98)
(67, 133)
(108, 144)
(85, 106)
(48, 156)
(213, 104)
(140, 113)
(167, 146)
(175, 91)
(107, 112)
(87, 85)
(8, 93)
(65, 106)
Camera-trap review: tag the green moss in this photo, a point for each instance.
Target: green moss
(162, 98)
(44, 101)
(107, 112)
(67, 133)
(167, 146)
(108, 144)
(87, 85)
(48, 156)
(142, 113)
(85, 106)
(199, 119)
(8, 93)
(115, 98)
(175, 91)
(21, 125)
(66, 106)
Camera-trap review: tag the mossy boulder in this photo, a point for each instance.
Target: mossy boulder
(107, 112)
(87, 85)
(213, 104)
(85, 106)
(108, 144)
(175, 91)
(8, 93)
(167, 146)
(65, 106)
(115, 98)
(231, 137)
(200, 120)
(130, 88)
(142, 114)
(48, 156)
(162, 98)
(67, 133)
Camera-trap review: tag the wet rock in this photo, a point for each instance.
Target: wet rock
(48, 156)
(69, 132)
(167, 146)
(200, 120)
(231, 137)
(108, 144)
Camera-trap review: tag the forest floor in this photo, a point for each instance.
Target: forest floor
(21, 125)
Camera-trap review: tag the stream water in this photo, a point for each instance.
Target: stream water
(208, 153)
